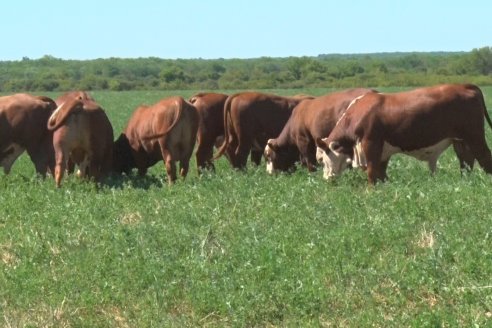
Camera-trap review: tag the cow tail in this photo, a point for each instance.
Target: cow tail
(47, 100)
(485, 112)
(173, 124)
(227, 115)
(62, 112)
(194, 98)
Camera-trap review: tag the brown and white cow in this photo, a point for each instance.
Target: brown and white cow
(250, 119)
(23, 120)
(210, 107)
(421, 123)
(82, 135)
(311, 119)
(164, 131)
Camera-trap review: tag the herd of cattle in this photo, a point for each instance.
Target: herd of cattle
(351, 128)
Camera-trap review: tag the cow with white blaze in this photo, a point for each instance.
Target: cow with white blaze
(421, 123)
(311, 119)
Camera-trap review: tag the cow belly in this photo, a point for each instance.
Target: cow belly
(427, 154)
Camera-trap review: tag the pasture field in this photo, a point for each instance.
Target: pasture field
(245, 248)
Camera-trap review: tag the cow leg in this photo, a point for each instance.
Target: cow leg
(376, 170)
(484, 157)
(70, 166)
(168, 162)
(82, 171)
(170, 169)
(479, 149)
(42, 160)
(9, 156)
(384, 167)
(204, 154)
(307, 151)
(95, 171)
(184, 163)
(432, 163)
(184, 167)
(256, 156)
(245, 139)
(464, 154)
(107, 163)
(241, 155)
(60, 166)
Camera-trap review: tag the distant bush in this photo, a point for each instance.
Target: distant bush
(327, 71)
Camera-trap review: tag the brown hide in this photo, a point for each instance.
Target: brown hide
(164, 131)
(250, 119)
(23, 120)
(311, 119)
(83, 135)
(210, 107)
(411, 121)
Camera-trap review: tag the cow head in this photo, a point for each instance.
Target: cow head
(334, 156)
(279, 158)
(123, 161)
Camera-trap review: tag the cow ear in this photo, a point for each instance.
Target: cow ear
(320, 142)
(335, 146)
(272, 144)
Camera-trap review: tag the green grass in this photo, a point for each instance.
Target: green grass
(244, 248)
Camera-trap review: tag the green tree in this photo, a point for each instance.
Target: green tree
(481, 60)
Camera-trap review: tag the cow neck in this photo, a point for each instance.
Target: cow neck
(284, 138)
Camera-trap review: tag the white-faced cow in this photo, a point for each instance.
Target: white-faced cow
(311, 119)
(164, 131)
(250, 119)
(421, 123)
(23, 120)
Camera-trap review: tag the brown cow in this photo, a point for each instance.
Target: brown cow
(421, 123)
(250, 119)
(64, 98)
(210, 107)
(23, 120)
(164, 131)
(311, 119)
(82, 135)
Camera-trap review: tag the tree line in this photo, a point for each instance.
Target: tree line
(325, 71)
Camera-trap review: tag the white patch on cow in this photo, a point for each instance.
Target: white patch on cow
(268, 156)
(15, 151)
(359, 160)
(428, 154)
(333, 163)
(356, 99)
(269, 167)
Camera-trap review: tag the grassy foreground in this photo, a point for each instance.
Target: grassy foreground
(246, 249)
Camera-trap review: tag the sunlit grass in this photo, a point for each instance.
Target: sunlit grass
(244, 248)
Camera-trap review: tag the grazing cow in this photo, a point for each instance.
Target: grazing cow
(250, 119)
(23, 120)
(82, 95)
(311, 119)
(164, 131)
(82, 135)
(421, 123)
(210, 107)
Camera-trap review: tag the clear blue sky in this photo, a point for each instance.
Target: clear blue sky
(239, 29)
